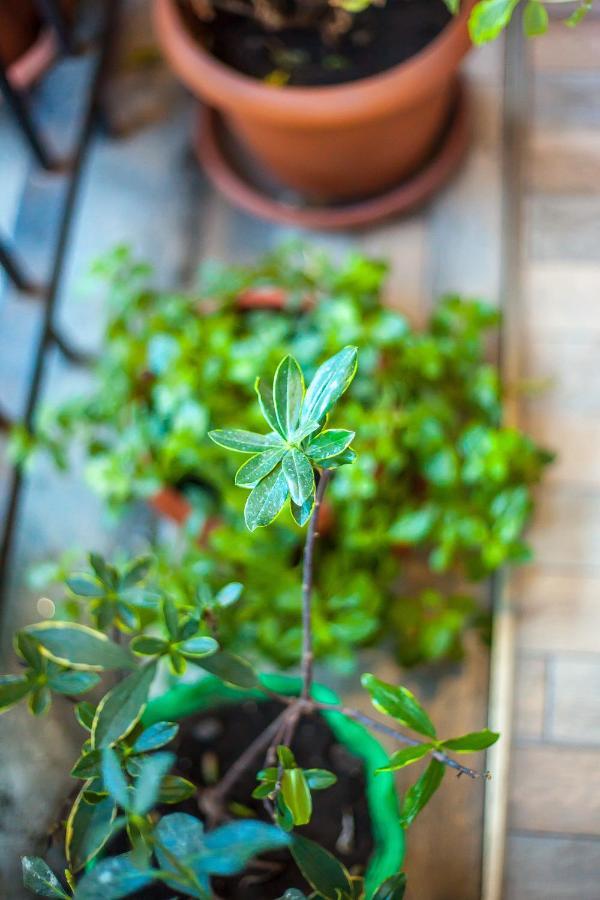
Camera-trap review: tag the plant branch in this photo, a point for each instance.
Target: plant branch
(400, 737)
(307, 587)
(213, 796)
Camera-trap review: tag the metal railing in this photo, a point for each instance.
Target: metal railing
(91, 39)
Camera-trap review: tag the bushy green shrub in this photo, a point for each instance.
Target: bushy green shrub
(436, 475)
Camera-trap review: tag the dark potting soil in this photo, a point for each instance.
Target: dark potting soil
(381, 37)
(208, 744)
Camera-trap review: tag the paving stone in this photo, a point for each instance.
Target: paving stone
(564, 227)
(552, 868)
(575, 714)
(557, 611)
(555, 789)
(562, 300)
(529, 697)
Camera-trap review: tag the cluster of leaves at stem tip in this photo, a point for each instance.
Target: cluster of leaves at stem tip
(126, 774)
(438, 478)
(282, 461)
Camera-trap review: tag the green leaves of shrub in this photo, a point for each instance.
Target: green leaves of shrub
(399, 703)
(290, 786)
(115, 596)
(40, 879)
(78, 646)
(41, 676)
(184, 641)
(283, 464)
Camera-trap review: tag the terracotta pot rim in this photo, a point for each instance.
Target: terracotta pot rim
(405, 84)
(400, 199)
(28, 68)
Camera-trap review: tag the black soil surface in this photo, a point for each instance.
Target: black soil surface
(380, 37)
(207, 746)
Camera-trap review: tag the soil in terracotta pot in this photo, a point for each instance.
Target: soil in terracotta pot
(381, 37)
(211, 742)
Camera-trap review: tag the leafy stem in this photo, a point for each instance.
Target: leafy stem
(307, 587)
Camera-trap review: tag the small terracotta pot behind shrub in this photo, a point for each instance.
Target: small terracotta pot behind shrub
(333, 143)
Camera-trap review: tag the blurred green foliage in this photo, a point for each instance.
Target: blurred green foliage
(437, 476)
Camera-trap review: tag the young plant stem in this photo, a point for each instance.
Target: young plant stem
(400, 737)
(307, 587)
(214, 796)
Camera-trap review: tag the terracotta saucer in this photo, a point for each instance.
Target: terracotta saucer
(31, 65)
(253, 190)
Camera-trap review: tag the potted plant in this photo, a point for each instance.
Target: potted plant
(121, 840)
(349, 102)
(440, 480)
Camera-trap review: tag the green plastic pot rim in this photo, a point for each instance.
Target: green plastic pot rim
(387, 858)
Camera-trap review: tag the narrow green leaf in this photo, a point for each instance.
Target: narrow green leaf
(136, 571)
(147, 786)
(79, 646)
(73, 682)
(155, 736)
(329, 383)
(84, 713)
(330, 442)
(392, 888)
(113, 778)
(286, 757)
(405, 757)
(319, 779)
(489, 18)
(244, 441)
(230, 668)
(303, 431)
(12, 689)
(180, 839)
(325, 874)
(421, 792)
(267, 406)
(400, 703)
(121, 709)
(88, 765)
(266, 500)
(475, 740)
(228, 849)
(197, 647)
(299, 476)
(171, 618)
(251, 472)
(175, 789)
(85, 586)
(148, 646)
(39, 878)
(229, 594)
(303, 513)
(288, 393)
(113, 878)
(535, 18)
(413, 525)
(89, 827)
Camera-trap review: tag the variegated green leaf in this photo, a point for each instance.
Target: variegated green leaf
(288, 393)
(329, 443)
(266, 500)
(299, 476)
(251, 472)
(244, 441)
(329, 383)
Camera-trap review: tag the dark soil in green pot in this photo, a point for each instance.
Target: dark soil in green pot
(356, 819)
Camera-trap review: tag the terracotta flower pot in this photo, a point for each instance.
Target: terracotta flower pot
(332, 143)
(26, 46)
